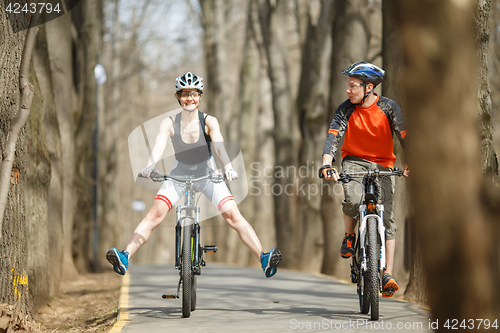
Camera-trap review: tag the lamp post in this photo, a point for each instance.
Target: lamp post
(100, 79)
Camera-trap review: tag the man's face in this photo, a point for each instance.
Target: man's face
(189, 99)
(355, 89)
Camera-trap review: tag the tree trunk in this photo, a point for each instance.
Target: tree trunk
(216, 97)
(59, 48)
(53, 146)
(273, 18)
(494, 70)
(14, 271)
(438, 38)
(356, 37)
(248, 116)
(38, 180)
(392, 64)
(489, 161)
(312, 103)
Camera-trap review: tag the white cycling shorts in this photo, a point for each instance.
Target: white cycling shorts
(170, 192)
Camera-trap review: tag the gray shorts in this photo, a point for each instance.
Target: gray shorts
(353, 193)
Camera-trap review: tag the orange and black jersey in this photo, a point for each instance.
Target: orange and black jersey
(368, 131)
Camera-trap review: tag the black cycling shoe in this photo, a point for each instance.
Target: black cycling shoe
(347, 250)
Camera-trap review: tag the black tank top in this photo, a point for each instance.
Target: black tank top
(191, 153)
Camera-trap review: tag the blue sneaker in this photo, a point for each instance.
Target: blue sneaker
(119, 260)
(270, 261)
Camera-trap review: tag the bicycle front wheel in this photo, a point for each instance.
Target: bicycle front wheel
(187, 273)
(364, 301)
(372, 273)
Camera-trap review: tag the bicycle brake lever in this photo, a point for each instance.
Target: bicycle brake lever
(344, 178)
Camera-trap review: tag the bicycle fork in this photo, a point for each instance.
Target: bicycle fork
(381, 235)
(195, 248)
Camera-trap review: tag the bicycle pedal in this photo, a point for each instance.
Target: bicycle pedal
(210, 248)
(388, 292)
(169, 296)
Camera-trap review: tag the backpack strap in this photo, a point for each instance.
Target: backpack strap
(208, 139)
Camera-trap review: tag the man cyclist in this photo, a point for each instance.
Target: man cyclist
(192, 132)
(367, 122)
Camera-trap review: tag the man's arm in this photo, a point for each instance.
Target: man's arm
(335, 133)
(337, 128)
(327, 159)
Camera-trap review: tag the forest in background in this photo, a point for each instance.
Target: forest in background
(272, 75)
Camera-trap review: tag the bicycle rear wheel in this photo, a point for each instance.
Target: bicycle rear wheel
(187, 273)
(372, 273)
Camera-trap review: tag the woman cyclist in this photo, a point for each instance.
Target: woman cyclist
(192, 133)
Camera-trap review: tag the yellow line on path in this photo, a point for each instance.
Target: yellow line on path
(123, 306)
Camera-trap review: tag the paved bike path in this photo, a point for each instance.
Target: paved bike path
(236, 299)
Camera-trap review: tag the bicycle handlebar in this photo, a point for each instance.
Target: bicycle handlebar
(157, 177)
(347, 176)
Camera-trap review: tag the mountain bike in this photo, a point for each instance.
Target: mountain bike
(188, 251)
(369, 261)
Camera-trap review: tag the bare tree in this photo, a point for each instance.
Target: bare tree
(16, 92)
(489, 157)
(273, 17)
(51, 144)
(355, 37)
(438, 37)
(312, 103)
(407, 254)
(26, 91)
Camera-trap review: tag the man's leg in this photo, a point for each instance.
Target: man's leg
(347, 250)
(350, 224)
(389, 284)
(390, 246)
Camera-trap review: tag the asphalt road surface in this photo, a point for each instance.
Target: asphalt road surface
(236, 299)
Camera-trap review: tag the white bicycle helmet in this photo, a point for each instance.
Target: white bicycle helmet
(189, 81)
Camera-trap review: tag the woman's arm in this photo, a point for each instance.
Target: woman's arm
(218, 143)
(166, 127)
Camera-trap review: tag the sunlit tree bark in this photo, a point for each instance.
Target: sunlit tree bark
(438, 38)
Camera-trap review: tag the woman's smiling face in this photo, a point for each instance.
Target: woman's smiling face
(189, 99)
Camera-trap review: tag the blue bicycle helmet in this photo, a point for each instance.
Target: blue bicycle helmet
(366, 72)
